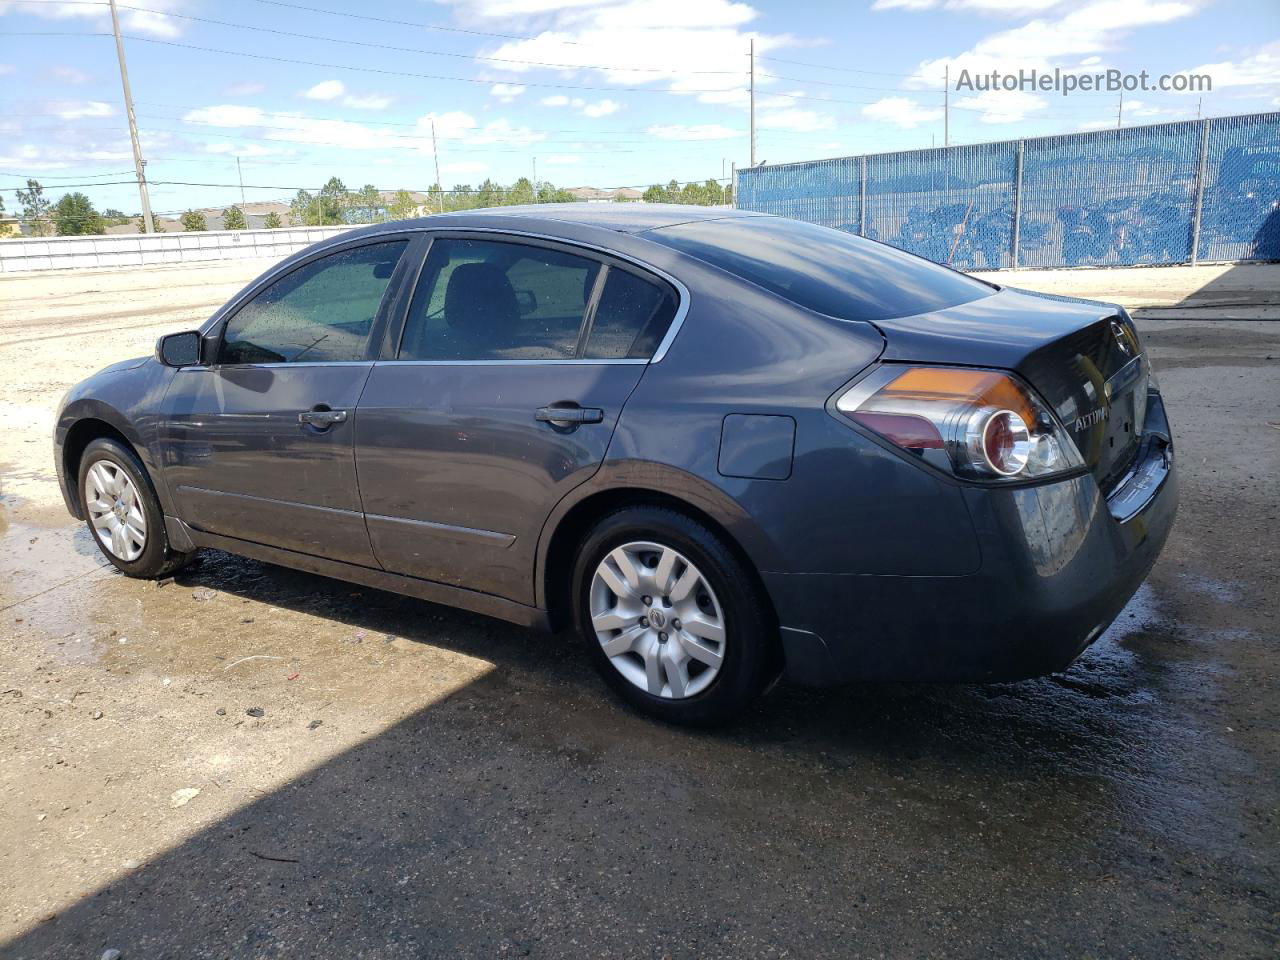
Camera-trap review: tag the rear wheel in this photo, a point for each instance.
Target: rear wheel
(123, 512)
(673, 620)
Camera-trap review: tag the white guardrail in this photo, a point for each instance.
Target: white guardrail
(135, 249)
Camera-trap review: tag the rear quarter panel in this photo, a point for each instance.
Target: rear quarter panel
(847, 504)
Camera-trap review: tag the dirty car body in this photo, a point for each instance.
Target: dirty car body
(924, 477)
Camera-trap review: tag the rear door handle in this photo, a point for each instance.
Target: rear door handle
(569, 416)
(323, 418)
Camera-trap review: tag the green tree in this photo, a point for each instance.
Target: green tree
(271, 221)
(332, 202)
(142, 224)
(35, 209)
(521, 192)
(402, 206)
(366, 205)
(303, 211)
(489, 194)
(550, 193)
(73, 216)
(114, 217)
(193, 221)
(233, 219)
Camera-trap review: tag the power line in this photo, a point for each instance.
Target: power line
(358, 69)
(823, 66)
(339, 13)
(434, 53)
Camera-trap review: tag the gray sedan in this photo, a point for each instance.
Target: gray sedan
(723, 447)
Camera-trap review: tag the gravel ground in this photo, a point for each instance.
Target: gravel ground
(251, 762)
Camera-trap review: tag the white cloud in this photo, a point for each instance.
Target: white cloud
(77, 109)
(904, 4)
(247, 150)
(1262, 68)
(506, 92)
(66, 74)
(368, 101)
(701, 44)
(1002, 106)
(1042, 44)
(601, 108)
(151, 21)
(700, 131)
(562, 160)
(904, 112)
(799, 121)
(465, 166)
(325, 90)
(247, 89)
(7, 68)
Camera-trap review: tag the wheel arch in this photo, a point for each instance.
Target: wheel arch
(79, 435)
(574, 517)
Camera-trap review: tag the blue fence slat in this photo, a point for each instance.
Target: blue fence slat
(1240, 217)
(1107, 197)
(1110, 197)
(953, 205)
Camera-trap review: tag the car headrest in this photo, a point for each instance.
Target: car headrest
(480, 295)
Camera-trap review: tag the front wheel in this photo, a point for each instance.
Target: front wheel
(674, 621)
(123, 512)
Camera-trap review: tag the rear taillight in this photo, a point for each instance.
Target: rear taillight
(981, 424)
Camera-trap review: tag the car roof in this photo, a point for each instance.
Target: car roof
(619, 217)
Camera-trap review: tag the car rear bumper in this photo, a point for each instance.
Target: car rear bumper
(1059, 563)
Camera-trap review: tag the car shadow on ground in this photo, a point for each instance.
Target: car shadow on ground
(531, 814)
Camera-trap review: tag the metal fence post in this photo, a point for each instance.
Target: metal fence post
(1201, 175)
(862, 198)
(1017, 205)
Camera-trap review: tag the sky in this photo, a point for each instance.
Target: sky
(614, 93)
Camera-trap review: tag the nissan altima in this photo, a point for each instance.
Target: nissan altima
(723, 447)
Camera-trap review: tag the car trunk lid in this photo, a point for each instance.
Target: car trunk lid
(1082, 356)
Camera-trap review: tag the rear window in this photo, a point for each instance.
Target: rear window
(824, 270)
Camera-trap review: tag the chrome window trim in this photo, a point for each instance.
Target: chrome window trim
(682, 309)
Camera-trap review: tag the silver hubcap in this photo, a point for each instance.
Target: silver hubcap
(658, 620)
(115, 510)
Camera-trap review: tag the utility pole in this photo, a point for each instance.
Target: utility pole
(241, 176)
(1120, 109)
(436, 156)
(946, 107)
(139, 165)
(1199, 104)
(752, 54)
(535, 179)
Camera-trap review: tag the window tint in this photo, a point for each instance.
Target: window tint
(824, 270)
(490, 300)
(631, 318)
(323, 312)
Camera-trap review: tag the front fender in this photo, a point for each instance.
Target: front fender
(128, 400)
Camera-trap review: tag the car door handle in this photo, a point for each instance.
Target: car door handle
(569, 416)
(323, 418)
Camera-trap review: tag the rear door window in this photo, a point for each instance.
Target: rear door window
(824, 270)
(494, 300)
(631, 318)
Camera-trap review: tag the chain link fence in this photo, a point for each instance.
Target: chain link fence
(1168, 193)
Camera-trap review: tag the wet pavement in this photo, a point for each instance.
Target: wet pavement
(425, 782)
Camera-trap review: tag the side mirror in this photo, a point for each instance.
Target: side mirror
(179, 349)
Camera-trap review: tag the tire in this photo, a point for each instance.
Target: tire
(108, 461)
(623, 640)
